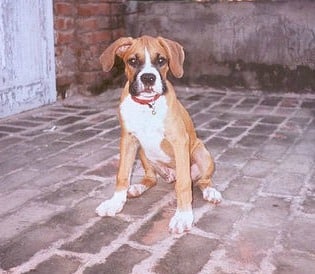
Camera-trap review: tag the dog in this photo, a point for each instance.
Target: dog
(157, 126)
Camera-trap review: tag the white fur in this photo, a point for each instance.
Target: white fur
(212, 195)
(136, 189)
(112, 206)
(149, 68)
(181, 221)
(148, 128)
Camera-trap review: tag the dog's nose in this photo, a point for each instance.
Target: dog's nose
(148, 78)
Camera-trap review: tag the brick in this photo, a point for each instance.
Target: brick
(289, 102)
(231, 132)
(290, 262)
(117, 9)
(81, 136)
(78, 215)
(91, 9)
(298, 163)
(257, 168)
(301, 235)
(22, 248)
(248, 248)
(236, 156)
(16, 198)
(156, 229)
(25, 217)
(262, 129)
(108, 124)
(87, 24)
(90, 76)
(94, 37)
(285, 183)
(24, 124)
(270, 151)
(271, 101)
(220, 219)
(140, 206)
(69, 193)
(9, 129)
(100, 156)
(64, 23)
(112, 134)
(120, 261)
(217, 145)
(64, 9)
(201, 118)
(216, 124)
(309, 204)
(268, 212)
(241, 189)
(102, 233)
(68, 120)
(274, 120)
(15, 180)
(76, 127)
(253, 141)
(195, 249)
(65, 37)
(45, 138)
(56, 175)
(57, 264)
(108, 170)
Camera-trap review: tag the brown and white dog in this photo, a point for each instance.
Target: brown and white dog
(155, 124)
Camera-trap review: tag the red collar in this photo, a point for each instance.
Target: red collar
(145, 101)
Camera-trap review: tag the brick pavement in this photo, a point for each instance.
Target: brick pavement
(58, 162)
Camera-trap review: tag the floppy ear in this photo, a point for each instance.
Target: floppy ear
(176, 56)
(119, 47)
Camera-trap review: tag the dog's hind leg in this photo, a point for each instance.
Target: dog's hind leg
(148, 181)
(201, 172)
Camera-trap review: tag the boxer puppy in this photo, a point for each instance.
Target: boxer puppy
(156, 125)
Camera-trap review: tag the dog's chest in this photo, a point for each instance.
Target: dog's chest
(146, 127)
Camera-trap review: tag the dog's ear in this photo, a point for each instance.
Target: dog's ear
(176, 56)
(119, 47)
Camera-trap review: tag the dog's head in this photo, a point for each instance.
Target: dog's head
(147, 61)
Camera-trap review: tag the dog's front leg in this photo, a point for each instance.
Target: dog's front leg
(128, 151)
(183, 218)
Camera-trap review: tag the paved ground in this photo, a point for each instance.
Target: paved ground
(57, 163)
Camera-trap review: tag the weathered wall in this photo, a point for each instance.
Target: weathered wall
(27, 68)
(267, 45)
(83, 29)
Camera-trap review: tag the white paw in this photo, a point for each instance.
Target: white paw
(181, 221)
(136, 190)
(212, 195)
(112, 206)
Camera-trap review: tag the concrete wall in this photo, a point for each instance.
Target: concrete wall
(27, 67)
(266, 45)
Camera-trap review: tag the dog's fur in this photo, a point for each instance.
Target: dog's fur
(154, 123)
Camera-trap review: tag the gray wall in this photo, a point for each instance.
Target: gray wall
(27, 65)
(254, 45)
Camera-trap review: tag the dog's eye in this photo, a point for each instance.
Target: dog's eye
(161, 61)
(133, 62)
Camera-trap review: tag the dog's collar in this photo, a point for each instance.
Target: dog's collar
(150, 102)
(146, 101)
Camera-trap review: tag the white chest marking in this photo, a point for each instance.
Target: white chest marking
(148, 128)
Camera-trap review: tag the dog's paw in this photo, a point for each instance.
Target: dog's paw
(112, 206)
(181, 221)
(136, 190)
(212, 195)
